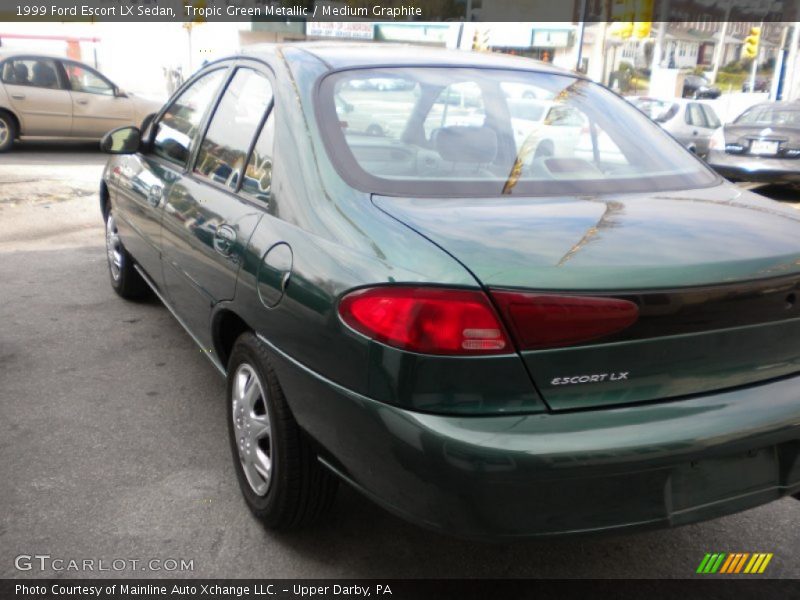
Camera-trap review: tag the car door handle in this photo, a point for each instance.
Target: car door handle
(224, 239)
(154, 195)
(18, 96)
(81, 102)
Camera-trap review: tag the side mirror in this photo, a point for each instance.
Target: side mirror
(119, 93)
(124, 140)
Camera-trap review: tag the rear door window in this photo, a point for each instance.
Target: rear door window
(178, 125)
(695, 115)
(223, 151)
(258, 175)
(36, 72)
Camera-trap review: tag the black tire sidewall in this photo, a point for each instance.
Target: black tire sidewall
(118, 284)
(130, 284)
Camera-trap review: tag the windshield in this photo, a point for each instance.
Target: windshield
(771, 114)
(461, 131)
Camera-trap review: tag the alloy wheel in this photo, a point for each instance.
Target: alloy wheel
(113, 248)
(252, 429)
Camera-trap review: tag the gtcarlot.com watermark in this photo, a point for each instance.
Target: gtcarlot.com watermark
(46, 562)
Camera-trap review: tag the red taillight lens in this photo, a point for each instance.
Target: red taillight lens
(426, 320)
(547, 321)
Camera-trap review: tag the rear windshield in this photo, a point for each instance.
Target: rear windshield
(770, 115)
(469, 132)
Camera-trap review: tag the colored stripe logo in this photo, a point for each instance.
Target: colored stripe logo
(734, 563)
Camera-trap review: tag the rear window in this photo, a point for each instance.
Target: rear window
(486, 132)
(660, 111)
(770, 115)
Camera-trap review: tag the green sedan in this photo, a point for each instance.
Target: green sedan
(493, 327)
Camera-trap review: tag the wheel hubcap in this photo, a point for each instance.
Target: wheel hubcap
(252, 429)
(5, 131)
(113, 247)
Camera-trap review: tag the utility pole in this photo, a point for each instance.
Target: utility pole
(581, 29)
(720, 47)
(755, 60)
(777, 75)
(791, 72)
(658, 47)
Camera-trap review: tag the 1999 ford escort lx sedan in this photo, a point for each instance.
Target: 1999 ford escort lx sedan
(493, 329)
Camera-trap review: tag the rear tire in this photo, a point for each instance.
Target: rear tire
(282, 481)
(125, 279)
(8, 131)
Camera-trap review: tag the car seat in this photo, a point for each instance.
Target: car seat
(20, 73)
(44, 75)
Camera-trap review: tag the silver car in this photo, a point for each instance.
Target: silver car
(761, 145)
(690, 122)
(46, 96)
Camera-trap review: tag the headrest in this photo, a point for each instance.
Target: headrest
(20, 72)
(466, 144)
(43, 74)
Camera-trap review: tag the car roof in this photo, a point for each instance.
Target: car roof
(4, 54)
(342, 55)
(794, 104)
(7, 53)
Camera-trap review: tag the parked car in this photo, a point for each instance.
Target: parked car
(547, 126)
(762, 145)
(762, 84)
(45, 96)
(697, 86)
(691, 123)
(588, 342)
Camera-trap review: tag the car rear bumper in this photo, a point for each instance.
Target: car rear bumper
(754, 168)
(645, 466)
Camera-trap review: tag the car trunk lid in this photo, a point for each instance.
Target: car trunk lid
(763, 141)
(715, 274)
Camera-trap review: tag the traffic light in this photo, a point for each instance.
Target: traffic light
(643, 19)
(621, 29)
(480, 41)
(641, 29)
(751, 42)
(631, 18)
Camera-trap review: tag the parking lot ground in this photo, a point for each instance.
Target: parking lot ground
(113, 439)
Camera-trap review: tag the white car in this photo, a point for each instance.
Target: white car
(47, 96)
(547, 128)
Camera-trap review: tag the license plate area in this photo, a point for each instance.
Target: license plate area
(713, 479)
(763, 148)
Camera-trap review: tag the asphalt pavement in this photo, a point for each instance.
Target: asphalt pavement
(113, 438)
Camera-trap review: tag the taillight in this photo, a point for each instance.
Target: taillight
(547, 321)
(427, 320)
